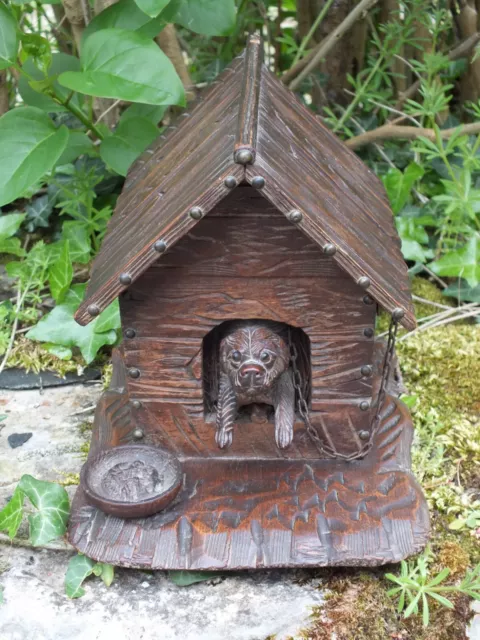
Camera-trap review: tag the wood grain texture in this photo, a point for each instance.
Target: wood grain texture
(305, 166)
(247, 116)
(245, 514)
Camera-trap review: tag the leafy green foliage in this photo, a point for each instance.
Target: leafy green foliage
(416, 587)
(37, 85)
(31, 145)
(60, 274)
(187, 578)
(79, 568)
(461, 263)
(132, 136)
(59, 328)
(11, 515)
(152, 7)
(9, 225)
(8, 38)
(209, 17)
(399, 184)
(125, 15)
(38, 212)
(470, 521)
(52, 507)
(122, 64)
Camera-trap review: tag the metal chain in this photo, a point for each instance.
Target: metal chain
(302, 406)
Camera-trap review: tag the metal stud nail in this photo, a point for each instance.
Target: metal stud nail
(138, 434)
(366, 370)
(363, 435)
(244, 156)
(398, 313)
(93, 310)
(133, 372)
(368, 300)
(196, 213)
(230, 182)
(295, 216)
(364, 282)
(125, 278)
(160, 246)
(258, 182)
(364, 405)
(368, 332)
(136, 404)
(330, 249)
(130, 333)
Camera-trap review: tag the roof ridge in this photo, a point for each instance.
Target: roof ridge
(246, 138)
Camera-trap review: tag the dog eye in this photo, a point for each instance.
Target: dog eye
(265, 356)
(236, 356)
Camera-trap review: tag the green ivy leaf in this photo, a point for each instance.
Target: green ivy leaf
(12, 246)
(186, 578)
(31, 91)
(130, 139)
(152, 7)
(63, 353)
(38, 212)
(125, 15)
(51, 501)
(463, 263)
(109, 318)
(11, 515)
(209, 17)
(10, 224)
(399, 184)
(107, 574)
(79, 241)
(79, 568)
(31, 145)
(462, 291)
(59, 327)
(60, 274)
(122, 64)
(8, 38)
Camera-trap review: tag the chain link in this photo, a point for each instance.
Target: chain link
(302, 407)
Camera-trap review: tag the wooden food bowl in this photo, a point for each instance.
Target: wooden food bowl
(132, 481)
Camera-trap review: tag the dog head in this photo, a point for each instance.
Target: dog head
(253, 356)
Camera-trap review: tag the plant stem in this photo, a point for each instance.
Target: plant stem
(78, 113)
(313, 28)
(359, 94)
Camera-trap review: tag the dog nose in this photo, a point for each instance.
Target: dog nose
(252, 371)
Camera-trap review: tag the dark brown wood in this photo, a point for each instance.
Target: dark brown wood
(256, 248)
(247, 116)
(271, 513)
(306, 169)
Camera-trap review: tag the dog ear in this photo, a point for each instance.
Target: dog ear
(226, 412)
(284, 404)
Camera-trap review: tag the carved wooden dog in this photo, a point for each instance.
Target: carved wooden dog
(254, 368)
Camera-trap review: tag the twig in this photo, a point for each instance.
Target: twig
(20, 300)
(457, 313)
(22, 542)
(404, 116)
(432, 304)
(441, 282)
(112, 106)
(296, 74)
(317, 22)
(81, 411)
(391, 131)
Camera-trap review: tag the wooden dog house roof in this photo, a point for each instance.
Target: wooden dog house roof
(248, 127)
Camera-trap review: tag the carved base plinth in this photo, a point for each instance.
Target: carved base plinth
(245, 514)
